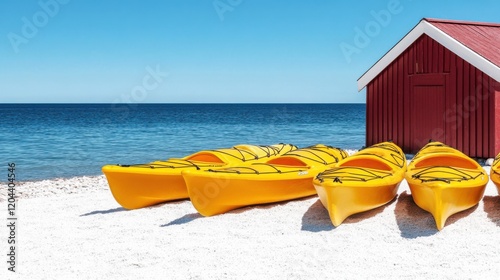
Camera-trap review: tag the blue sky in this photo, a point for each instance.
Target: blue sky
(204, 50)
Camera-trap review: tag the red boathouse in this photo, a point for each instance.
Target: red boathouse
(440, 82)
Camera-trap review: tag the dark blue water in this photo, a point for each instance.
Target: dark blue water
(65, 140)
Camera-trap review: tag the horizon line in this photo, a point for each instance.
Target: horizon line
(153, 103)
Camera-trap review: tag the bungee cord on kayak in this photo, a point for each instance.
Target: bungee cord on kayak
(243, 154)
(353, 174)
(456, 174)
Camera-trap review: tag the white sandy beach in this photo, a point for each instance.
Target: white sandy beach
(74, 227)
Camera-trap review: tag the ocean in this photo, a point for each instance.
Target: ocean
(48, 141)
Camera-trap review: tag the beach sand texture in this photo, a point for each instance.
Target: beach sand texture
(73, 227)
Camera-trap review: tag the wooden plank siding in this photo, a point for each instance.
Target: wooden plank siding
(471, 100)
(494, 106)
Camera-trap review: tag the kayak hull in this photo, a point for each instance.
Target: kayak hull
(495, 172)
(142, 185)
(444, 181)
(213, 194)
(347, 198)
(284, 178)
(361, 182)
(442, 200)
(135, 188)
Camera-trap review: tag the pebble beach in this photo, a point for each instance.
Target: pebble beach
(69, 228)
(143, 92)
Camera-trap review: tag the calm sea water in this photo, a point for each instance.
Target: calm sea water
(63, 140)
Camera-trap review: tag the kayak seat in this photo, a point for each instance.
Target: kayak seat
(366, 162)
(447, 160)
(205, 157)
(289, 161)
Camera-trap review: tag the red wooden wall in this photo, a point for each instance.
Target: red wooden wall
(469, 122)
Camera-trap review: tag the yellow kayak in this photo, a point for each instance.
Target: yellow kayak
(444, 181)
(366, 180)
(287, 177)
(141, 185)
(495, 172)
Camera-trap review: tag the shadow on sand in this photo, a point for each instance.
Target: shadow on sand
(193, 216)
(184, 219)
(412, 220)
(415, 222)
(120, 209)
(103, 212)
(263, 206)
(317, 219)
(492, 208)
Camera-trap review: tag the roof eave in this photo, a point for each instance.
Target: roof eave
(441, 37)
